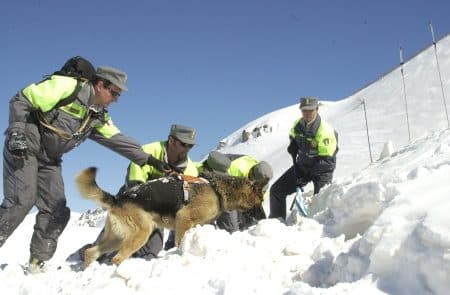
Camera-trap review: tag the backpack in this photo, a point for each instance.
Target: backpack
(83, 71)
(79, 68)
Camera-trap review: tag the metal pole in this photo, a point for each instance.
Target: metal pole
(439, 72)
(404, 93)
(367, 129)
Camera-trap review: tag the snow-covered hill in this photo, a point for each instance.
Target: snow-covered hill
(385, 109)
(380, 228)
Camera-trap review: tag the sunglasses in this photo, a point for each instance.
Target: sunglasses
(186, 145)
(115, 94)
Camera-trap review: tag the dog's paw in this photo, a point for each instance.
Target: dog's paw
(118, 259)
(90, 255)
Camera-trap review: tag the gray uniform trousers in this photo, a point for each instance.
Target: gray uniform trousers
(283, 186)
(228, 221)
(27, 183)
(286, 185)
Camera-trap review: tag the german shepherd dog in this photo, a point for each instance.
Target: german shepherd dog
(133, 215)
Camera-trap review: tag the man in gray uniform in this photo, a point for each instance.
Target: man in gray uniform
(41, 129)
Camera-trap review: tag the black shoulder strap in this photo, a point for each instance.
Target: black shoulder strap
(71, 97)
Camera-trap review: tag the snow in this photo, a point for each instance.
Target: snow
(379, 228)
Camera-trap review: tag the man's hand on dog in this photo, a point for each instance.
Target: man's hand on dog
(160, 165)
(164, 167)
(176, 169)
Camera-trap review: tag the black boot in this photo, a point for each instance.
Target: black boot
(170, 243)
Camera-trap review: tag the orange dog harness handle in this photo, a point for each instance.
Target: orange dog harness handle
(192, 179)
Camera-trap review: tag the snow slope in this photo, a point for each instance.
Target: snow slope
(379, 228)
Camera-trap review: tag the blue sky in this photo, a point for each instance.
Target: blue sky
(212, 65)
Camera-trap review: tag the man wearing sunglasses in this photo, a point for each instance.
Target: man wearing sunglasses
(173, 151)
(46, 120)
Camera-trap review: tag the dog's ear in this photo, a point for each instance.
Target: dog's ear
(261, 185)
(262, 182)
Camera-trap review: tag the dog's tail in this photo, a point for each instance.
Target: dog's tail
(88, 188)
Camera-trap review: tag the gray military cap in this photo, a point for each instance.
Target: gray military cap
(218, 162)
(309, 103)
(183, 133)
(115, 76)
(261, 171)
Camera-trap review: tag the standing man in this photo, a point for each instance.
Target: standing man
(239, 166)
(43, 126)
(173, 151)
(313, 148)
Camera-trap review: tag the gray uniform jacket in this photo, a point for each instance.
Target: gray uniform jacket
(49, 146)
(50, 132)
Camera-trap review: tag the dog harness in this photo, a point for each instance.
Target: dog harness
(187, 181)
(165, 194)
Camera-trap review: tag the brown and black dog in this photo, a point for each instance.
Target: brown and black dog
(133, 215)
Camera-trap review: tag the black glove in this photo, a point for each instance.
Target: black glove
(299, 180)
(160, 165)
(176, 169)
(17, 145)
